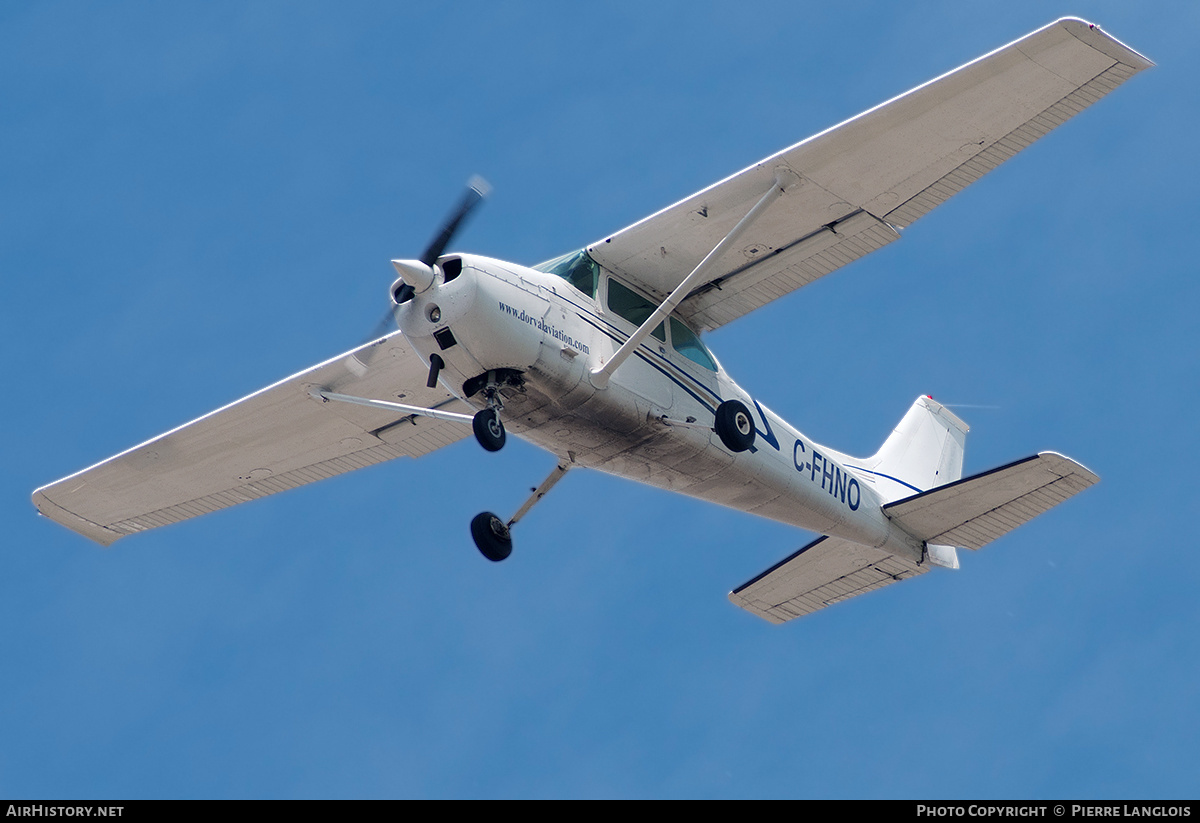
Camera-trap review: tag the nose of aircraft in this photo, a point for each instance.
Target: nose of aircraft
(426, 298)
(419, 276)
(416, 274)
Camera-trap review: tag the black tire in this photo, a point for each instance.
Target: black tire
(489, 429)
(735, 426)
(491, 536)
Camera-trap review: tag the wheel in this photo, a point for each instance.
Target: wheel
(491, 536)
(735, 426)
(489, 430)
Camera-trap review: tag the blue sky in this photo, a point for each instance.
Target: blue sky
(199, 199)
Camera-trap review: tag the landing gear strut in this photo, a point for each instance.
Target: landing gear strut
(489, 429)
(492, 536)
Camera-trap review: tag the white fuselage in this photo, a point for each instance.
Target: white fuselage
(505, 316)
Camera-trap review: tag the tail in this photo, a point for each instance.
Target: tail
(918, 472)
(969, 513)
(925, 451)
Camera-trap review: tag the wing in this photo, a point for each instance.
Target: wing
(273, 440)
(826, 571)
(864, 178)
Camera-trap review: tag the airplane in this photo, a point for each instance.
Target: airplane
(598, 355)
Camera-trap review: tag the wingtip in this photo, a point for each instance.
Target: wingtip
(52, 511)
(1100, 40)
(1071, 466)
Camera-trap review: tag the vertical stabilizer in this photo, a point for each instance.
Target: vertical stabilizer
(923, 452)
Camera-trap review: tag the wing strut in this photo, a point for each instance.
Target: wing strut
(785, 179)
(419, 411)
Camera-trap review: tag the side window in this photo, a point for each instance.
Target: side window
(685, 341)
(633, 307)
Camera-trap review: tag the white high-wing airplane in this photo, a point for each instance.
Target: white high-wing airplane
(597, 358)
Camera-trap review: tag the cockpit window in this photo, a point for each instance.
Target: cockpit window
(632, 306)
(688, 344)
(577, 268)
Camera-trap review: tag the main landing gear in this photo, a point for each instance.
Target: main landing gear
(734, 425)
(493, 536)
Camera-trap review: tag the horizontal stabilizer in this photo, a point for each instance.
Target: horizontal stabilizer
(979, 509)
(824, 572)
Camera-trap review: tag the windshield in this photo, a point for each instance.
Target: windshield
(577, 268)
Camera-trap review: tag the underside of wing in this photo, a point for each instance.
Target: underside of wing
(861, 180)
(273, 440)
(824, 572)
(976, 510)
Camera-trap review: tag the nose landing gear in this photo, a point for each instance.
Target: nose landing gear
(489, 430)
